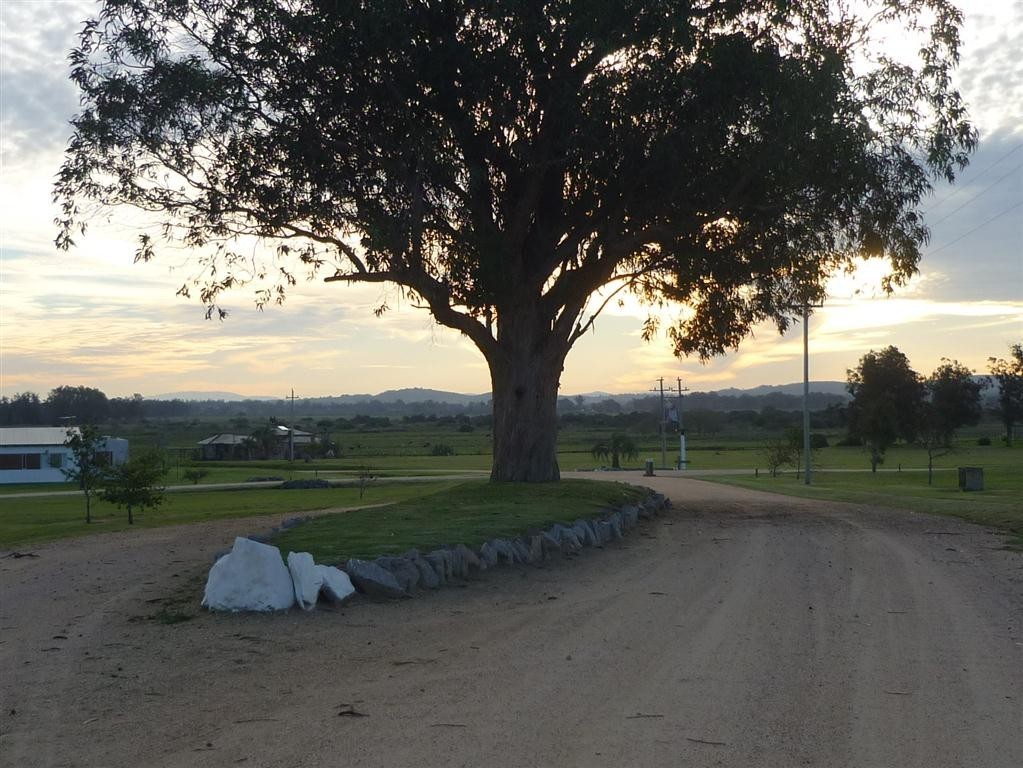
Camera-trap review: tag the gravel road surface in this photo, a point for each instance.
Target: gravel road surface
(740, 629)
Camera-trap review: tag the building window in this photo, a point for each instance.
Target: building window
(56, 460)
(18, 461)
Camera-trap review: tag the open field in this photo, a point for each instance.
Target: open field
(999, 505)
(32, 520)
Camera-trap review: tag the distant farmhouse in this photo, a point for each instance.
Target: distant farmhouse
(224, 446)
(272, 443)
(38, 454)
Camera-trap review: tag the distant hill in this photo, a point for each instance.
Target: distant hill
(423, 395)
(200, 396)
(420, 395)
(820, 387)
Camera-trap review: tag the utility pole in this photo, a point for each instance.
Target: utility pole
(664, 437)
(806, 391)
(681, 427)
(291, 427)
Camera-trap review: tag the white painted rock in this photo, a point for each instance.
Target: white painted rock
(251, 577)
(336, 585)
(306, 578)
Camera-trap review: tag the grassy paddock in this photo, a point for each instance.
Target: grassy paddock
(468, 513)
(34, 520)
(999, 505)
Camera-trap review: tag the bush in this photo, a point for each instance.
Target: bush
(983, 441)
(195, 475)
(818, 441)
(442, 449)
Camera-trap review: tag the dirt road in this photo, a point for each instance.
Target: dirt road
(742, 629)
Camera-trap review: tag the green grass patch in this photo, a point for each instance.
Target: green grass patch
(999, 505)
(37, 519)
(468, 513)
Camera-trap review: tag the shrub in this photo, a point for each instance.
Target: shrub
(983, 441)
(442, 449)
(195, 475)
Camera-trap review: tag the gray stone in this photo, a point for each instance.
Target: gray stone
(570, 543)
(504, 550)
(630, 516)
(336, 587)
(605, 531)
(549, 542)
(459, 568)
(470, 558)
(403, 570)
(428, 578)
(440, 559)
(535, 548)
(439, 565)
(370, 579)
(580, 533)
(616, 524)
(521, 551)
(488, 554)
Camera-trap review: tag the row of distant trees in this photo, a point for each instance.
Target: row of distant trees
(891, 401)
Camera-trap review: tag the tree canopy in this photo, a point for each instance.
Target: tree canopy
(512, 166)
(1008, 374)
(887, 398)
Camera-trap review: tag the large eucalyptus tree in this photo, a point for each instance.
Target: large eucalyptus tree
(511, 165)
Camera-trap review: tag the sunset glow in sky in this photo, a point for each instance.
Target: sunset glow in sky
(90, 316)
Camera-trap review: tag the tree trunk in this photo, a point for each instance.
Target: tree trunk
(524, 383)
(131, 520)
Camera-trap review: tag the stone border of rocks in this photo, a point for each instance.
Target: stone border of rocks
(392, 577)
(252, 579)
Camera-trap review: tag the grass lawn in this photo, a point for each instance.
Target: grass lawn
(468, 513)
(999, 505)
(33, 520)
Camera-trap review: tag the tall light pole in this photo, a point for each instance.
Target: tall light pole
(681, 427)
(806, 391)
(291, 428)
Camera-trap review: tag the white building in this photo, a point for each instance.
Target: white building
(38, 454)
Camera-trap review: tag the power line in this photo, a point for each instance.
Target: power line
(970, 200)
(957, 190)
(979, 226)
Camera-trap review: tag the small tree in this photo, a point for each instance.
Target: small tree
(617, 448)
(134, 484)
(1009, 375)
(952, 401)
(887, 394)
(89, 465)
(195, 474)
(778, 452)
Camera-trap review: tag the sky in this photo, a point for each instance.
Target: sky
(91, 317)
